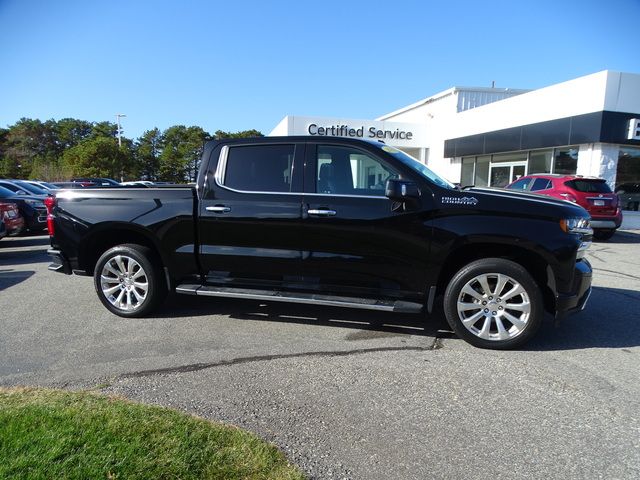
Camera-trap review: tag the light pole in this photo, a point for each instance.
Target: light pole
(118, 117)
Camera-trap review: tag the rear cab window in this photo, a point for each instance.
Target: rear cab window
(257, 168)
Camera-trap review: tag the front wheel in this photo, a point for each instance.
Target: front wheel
(129, 281)
(494, 303)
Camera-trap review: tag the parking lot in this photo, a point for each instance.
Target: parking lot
(351, 394)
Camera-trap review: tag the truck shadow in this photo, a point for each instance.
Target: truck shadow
(610, 320)
(10, 277)
(366, 323)
(622, 237)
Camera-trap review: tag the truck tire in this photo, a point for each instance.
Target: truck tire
(129, 281)
(494, 303)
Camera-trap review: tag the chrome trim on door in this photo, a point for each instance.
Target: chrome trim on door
(322, 212)
(218, 209)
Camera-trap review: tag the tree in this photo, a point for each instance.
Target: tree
(147, 154)
(243, 134)
(181, 151)
(97, 157)
(27, 139)
(71, 131)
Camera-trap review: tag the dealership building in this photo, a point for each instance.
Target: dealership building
(490, 136)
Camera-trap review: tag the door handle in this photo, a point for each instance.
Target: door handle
(322, 212)
(218, 209)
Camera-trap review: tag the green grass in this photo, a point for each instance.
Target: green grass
(81, 435)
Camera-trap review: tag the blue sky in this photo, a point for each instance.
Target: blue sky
(238, 65)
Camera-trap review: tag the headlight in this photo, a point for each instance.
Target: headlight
(576, 225)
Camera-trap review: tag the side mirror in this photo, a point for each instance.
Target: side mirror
(401, 190)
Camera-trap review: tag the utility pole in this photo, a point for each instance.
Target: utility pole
(119, 133)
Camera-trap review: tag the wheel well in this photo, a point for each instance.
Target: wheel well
(100, 242)
(533, 263)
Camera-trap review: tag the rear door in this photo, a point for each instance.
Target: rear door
(356, 241)
(250, 215)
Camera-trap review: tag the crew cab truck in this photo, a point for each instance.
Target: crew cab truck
(330, 221)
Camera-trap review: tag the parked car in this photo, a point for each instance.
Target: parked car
(97, 181)
(32, 208)
(10, 214)
(21, 187)
(593, 194)
(137, 183)
(331, 221)
(67, 185)
(3, 229)
(629, 194)
(44, 185)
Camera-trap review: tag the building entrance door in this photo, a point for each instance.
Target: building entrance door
(503, 173)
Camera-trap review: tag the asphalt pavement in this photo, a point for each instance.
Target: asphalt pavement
(350, 394)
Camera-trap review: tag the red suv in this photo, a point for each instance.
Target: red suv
(12, 219)
(593, 194)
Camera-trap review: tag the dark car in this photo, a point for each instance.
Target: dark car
(22, 187)
(629, 194)
(593, 194)
(96, 181)
(32, 208)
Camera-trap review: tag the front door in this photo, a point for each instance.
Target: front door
(502, 174)
(356, 241)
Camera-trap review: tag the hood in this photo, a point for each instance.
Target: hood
(507, 201)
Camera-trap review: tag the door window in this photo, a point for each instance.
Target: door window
(348, 171)
(541, 184)
(520, 184)
(259, 168)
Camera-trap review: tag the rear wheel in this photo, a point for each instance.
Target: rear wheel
(494, 303)
(601, 234)
(129, 281)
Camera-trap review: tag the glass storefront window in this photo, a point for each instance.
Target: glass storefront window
(482, 171)
(566, 160)
(628, 178)
(510, 157)
(467, 174)
(540, 161)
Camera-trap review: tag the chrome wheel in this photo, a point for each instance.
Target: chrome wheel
(124, 283)
(494, 306)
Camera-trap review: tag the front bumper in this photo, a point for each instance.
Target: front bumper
(576, 299)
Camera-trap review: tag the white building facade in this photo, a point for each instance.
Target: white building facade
(490, 136)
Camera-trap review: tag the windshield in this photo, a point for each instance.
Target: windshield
(418, 166)
(6, 193)
(31, 188)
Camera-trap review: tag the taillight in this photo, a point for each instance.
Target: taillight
(568, 196)
(50, 202)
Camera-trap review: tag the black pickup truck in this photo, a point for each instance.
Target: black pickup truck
(331, 221)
